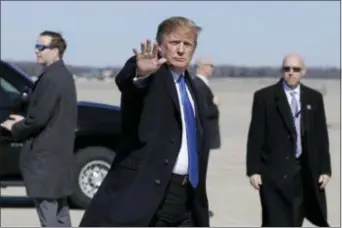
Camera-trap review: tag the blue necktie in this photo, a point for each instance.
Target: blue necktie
(190, 126)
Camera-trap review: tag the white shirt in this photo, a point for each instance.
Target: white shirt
(182, 162)
(288, 91)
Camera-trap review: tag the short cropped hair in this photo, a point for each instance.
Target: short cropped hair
(57, 41)
(172, 23)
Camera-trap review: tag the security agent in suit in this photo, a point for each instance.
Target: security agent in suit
(204, 70)
(48, 129)
(159, 175)
(288, 158)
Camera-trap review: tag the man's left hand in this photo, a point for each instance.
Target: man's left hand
(323, 180)
(216, 100)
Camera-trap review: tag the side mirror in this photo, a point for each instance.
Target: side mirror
(20, 101)
(25, 95)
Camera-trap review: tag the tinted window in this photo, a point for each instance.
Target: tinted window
(4, 99)
(7, 87)
(13, 80)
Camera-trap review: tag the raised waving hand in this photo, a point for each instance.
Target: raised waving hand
(147, 60)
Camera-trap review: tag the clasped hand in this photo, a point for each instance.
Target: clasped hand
(13, 119)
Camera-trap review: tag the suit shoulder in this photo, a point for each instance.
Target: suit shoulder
(61, 77)
(196, 80)
(265, 91)
(312, 92)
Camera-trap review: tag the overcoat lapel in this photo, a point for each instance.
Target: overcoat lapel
(305, 109)
(169, 85)
(284, 109)
(198, 109)
(197, 103)
(172, 91)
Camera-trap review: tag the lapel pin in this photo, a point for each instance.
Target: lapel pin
(308, 107)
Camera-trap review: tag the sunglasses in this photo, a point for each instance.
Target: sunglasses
(295, 69)
(42, 47)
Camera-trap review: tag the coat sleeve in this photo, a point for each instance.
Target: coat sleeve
(256, 136)
(212, 111)
(126, 79)
(323, 138)
(40, 110)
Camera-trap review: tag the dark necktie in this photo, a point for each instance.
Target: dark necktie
(190, 126)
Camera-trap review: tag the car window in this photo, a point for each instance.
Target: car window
(7, 87)
(4, 100)
(13, 79)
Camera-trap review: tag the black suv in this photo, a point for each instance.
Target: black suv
(97, 136)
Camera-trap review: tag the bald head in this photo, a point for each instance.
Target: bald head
(293, 69)
(204, 67)
(293, 58)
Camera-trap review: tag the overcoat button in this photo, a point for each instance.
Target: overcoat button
(157, 181)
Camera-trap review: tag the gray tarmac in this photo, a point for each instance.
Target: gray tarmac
(233, 201)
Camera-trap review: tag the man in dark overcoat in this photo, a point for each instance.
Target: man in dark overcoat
(204, 70)
(159, 175)
(288, 158)
(48, 129)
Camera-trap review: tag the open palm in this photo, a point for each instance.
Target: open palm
(147, 60)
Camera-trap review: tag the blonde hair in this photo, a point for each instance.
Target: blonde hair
(170, 24)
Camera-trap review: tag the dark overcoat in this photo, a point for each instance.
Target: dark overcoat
(46, 159)
(151, 138)
(271, 152)
(212, 113)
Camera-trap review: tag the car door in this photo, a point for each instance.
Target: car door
(4, 104)
(10, 98)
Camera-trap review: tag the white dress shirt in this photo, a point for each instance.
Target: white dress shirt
(182, 163)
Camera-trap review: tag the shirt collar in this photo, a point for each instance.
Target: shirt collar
(176, 75)
(288, 89)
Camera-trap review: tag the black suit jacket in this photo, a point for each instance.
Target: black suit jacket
(271, 149)
(151, 139)
(212, 113)
(46, 160)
